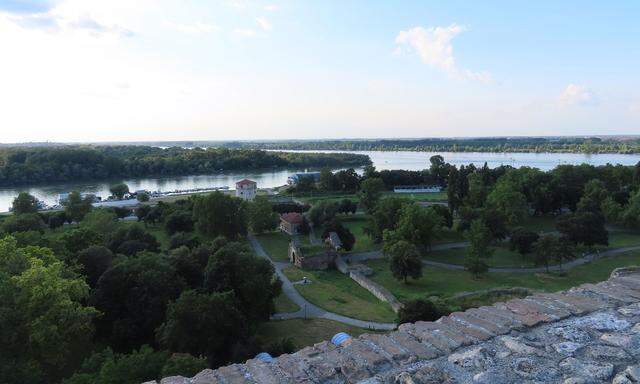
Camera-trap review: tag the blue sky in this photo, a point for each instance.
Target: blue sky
(96, 70)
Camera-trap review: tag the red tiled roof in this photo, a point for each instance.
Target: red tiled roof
(292, 217)
(245, 182)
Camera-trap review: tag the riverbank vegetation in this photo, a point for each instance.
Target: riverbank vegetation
(489, 144)
(33, 165)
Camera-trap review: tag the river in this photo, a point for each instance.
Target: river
(267, 179)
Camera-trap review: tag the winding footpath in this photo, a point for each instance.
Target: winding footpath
(307, 309)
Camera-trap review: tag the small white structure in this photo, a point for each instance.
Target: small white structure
(246, 189)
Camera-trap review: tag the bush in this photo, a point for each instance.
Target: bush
(23, 223)
(418, 310)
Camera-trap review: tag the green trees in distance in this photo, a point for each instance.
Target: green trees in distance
(24, 203)
(119, 190)
(405, 260)
(29, 165)
(217, 214)
(479, 238)
(142, 197)
(261, 216)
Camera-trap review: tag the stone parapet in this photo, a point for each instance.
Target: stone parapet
(588, 334)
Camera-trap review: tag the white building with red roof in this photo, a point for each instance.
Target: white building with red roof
(246, 189)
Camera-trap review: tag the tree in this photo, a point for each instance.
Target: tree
(565, 251)
(44, 323)
(326, 181)
(347, 206)
(119, 190)
(438, 168)
(101, 221)
(346, 237)
(586, 228)
(81, 238)
(24, 203)
(261, 216)
(522, 240)
(204, 324)
(446, 218)
(370, 193)
(142, 211)
(142, 197)
(24, 222)
(133, 296)
(234, 268)
(132, 239)
(479, 238)
(385, 216)
(418, 225)
(95, 260)
(186, 239)
(189, 265)
(76, 207)
(405, 261)
(418, 310)
(178, 221)
(631, 215)
(507, 200)
(347, 180)
(219, 214)
(545, 250)
(323, 212)
(57, 220)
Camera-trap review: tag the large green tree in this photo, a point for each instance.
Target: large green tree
(480, 250)
(507, 200)
(418, 225)
(219, 214)
(405, 261)
(24, 203)
(76, 206)
(119, 190)
(45, 328)
(370, 192)
(261, 216)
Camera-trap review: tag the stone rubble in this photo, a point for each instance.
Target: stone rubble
(589, 334)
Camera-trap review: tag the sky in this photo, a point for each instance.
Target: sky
(133, 70)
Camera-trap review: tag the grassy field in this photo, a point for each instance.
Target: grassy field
(423, 196)
(276, 244)
(337, 293)
(284, 304)
(502, 257)
(316, 197)
(305, 332)
(623, 239)
(356, 225)
(445, 282)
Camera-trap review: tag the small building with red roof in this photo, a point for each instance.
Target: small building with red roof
(246, 189)
(291, 223)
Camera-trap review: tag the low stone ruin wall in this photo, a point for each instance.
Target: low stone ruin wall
(376, 290)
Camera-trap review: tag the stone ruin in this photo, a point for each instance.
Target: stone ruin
(588, 334)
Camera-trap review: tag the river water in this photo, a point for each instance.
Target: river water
(267, 179)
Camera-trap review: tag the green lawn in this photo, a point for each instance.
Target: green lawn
(502, 257)
(445, 282)
(356, 224)
(284, 304)
(450, 236)
(276, 244)
(305, 332)
(623, 239)
(422, 196)
(315, 197)
(337, 293)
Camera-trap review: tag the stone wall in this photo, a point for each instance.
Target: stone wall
(376, 290)
(588, 334)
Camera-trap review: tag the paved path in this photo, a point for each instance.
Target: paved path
(566, 266)
(308, 310)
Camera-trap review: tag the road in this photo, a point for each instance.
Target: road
(307, 309)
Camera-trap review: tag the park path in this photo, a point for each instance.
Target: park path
(566, 266)
(307, 309)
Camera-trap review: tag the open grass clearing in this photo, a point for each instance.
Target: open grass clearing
(356, 225)
(337, 293)
(284, 304)
(276, 244)
(446, 282)
(502, 257)
(305, 332)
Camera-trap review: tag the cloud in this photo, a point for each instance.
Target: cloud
(271, 7)
(433, 46)
(245, 32)
(89, 24)
(198, 28)
(264, 24)
(575, 94)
